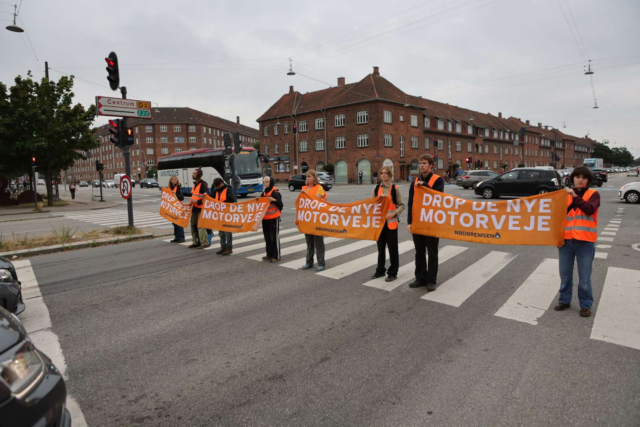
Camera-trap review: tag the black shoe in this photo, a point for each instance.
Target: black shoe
(415, 284)
(390, 278)
(266, 258)
(178, 241)
(173, 241)
(377, 276)
(431, 287)
(193, 246)
(204, 246)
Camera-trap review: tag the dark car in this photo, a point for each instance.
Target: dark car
(10, 288)
(468, 179)
(520, 182)
(83, 184)
(32, 391)
(149, 183)
(296, 182)
(601, 173)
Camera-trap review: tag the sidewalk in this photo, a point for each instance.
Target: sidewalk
(26, 212)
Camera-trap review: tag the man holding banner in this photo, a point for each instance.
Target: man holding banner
(223, 193)
(199, 236)
(425, 244)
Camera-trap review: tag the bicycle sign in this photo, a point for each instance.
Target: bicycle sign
(125, 187)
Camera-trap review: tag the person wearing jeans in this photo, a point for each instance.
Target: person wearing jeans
(581, 232)
(176, 188)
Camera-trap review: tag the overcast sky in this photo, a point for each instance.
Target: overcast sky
(524, 58)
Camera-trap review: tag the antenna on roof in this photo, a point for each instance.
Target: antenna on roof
(291, 72)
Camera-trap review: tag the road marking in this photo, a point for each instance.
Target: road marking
(601, 255)
(296, 248)
(608, 233)
(613, 221)
(358, 264)
(37, 321)
(262, 245)
(636, 246)
(603, 246)
(532, 299)
(611, 229)
(406, 273)
(618, 316)
(333, 253)
(247, 239)
(456, 290)
(605, 239)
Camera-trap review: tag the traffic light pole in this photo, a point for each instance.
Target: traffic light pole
(100, 178)
(126, 151)
(35, 193)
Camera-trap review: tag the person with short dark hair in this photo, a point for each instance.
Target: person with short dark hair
(580, 235)
(224, 193)
(200, 238)
(271, 220)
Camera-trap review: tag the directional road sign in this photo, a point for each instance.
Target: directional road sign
(119, 107)
(125, 186)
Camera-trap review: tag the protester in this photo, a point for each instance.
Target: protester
(72, 189)
(423, 244)
(389, 235)
(178, 232)
(271, 221)
(375, 177)
(581, 232)
(199, 189)
(224, 193)
(314, 189)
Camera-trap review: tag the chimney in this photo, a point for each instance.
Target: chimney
(546, 127)
(540, 125)
(528, 123)
(500, 115)
(376, 71)
(238, 119)
(290, 89)
(341, 81)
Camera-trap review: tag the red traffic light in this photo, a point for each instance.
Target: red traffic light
(114, 123)
(33, 159)
(110, 62)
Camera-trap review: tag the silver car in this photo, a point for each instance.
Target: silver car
(109, 183)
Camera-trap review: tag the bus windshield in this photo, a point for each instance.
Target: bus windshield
(248, 164)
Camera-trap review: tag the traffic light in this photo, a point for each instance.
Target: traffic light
(228, 148)
(112, 69)
(295, 129)
(130, 136)
(237, 146)
(97, 164)
(114, 130)
(468, 160)
(34, 162)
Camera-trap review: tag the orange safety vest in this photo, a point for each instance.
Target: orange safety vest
(393, 222)
(579, 225)
(221, 196)
(273, 211)
(432, 181)
(314, 190)
(195, 194)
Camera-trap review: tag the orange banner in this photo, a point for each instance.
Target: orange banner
(172, 209)
(536, 220)
(361, 220)
(233, 217)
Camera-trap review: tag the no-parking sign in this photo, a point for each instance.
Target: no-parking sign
(125, 186)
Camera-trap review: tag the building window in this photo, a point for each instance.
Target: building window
(459, 127)
(440, 145)
(414, 142)
(440, 124)
(362, 117)
(178, 150)
(192, 128)
(319, 124)
(458, 146)
(486, 163)
(341, 142)
(266, 150)
(427, 122)
(177, 128)
(388, 140)
(388, 116)
(486, 149)
(486, 132)
(149, 150)
(470, 129)
(304, 146)
(495, 133)
(339, 120)
(402, 146)
(178, 139)
(319, 144)
(449, 125)
(426, 143)
(440, 163)
(495, 149)
(414, 120)
(163, 140)
(363, 140)
(266, 131)
(149, 140)
(163, 128)
(192, 139)
(276, 149)
(401, 118)
(495, 164)
(469, 147)
(275, 130)
(148, 128)
(164, 150)
(286, 129)
(302, 126)
(286, 148)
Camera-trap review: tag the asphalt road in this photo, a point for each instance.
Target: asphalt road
(155, 333)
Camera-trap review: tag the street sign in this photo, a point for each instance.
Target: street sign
(125, 186)
(118, 107)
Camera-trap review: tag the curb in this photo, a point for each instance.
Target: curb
(21, 213)
(77, 245)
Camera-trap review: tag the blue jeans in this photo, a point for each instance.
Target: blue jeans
(584, 252)
(178, 232)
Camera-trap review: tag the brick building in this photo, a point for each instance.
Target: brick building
(364, 125)
(171, 130)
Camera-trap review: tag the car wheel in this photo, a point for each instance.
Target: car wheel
(474, 185)
(488, 193)
(632, 197)
(599, 184)
(292, 188)
(543, 191)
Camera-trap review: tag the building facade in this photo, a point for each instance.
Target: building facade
(171, 130)
(360, 127)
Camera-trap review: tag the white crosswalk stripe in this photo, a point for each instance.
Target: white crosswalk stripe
(348, 268)
(117, 217)
(342, 250)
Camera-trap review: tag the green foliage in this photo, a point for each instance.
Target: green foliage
(612, 156)
(328, 168)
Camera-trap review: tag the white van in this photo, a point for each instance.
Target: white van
(117, 177)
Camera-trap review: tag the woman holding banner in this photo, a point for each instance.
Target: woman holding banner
(581, 232)
(178, 232)
(271, 221)
(314, 189)
(389, 235)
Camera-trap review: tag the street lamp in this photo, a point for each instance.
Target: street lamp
(15, 28)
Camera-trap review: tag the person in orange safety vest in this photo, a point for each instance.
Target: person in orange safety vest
(224, 193)
(271, 220)
(200, 237)
(314, 243)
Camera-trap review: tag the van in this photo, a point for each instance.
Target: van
(117, 177)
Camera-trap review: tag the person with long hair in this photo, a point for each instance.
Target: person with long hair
(314, 243)
(176, 188)
(271, 220)
(580, 235)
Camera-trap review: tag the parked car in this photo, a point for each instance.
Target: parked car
(10, 289)
(468, 179)
(149, 183)
(83, 184)
(633, 172)
(325, 177)
(630, 193)
(95, 183)
(296, 182)
(601, 173)
(520, 182)
(32, 390)
(109, 183)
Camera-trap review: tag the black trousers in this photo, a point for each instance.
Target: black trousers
(271, 231)
(388, 238)
(424, 245)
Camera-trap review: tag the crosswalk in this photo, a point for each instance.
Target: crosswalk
(617, 317)
(117, 217)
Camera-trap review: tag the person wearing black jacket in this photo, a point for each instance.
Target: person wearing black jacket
(178, 232)
(425, 244)
(200, 237)
(224, 193)
(271, 221)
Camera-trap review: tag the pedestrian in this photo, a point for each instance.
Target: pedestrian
(389, 235)
(375, 177)
(426, 275)
(581, 232)
(199, 237)
(224, 193)
(314, 243)
(72, 189)
(501, 171)
(360, 175)
(271, 221)
(176, 188)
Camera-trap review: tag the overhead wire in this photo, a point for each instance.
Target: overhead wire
(577, 29)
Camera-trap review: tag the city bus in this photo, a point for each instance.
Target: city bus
(214, 164)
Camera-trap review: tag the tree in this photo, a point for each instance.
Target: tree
(39, 119)
(256, 145)
(328, 168)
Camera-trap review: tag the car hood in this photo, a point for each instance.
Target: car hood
(6, 264)
(11, 330)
